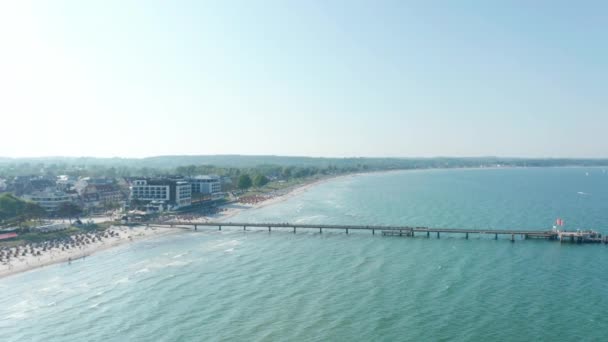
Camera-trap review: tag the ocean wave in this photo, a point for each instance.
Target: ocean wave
(143, 270)
(214, 246)
(179, 263)
(180, 255)
(122, 281)
(22, 309)
(308, 219)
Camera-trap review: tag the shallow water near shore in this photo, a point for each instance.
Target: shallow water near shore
(255, 285)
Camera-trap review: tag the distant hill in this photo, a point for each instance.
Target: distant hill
(242, 161)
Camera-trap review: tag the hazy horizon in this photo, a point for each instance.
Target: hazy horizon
(341, 79)
(304, 156)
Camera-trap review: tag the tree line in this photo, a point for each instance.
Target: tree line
(14, 210)
(234, 166)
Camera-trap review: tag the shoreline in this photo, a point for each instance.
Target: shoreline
(133, 234)
(234, 209)
(123, 235)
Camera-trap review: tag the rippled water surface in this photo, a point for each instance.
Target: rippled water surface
(260, 286)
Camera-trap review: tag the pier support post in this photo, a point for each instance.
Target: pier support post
(512, 237)
(466, 236)
(244, 227)
(495, 236)
(294, 230)
(320, 230)
(438, 235)
(413, 233)
(269, 229)
(220, 227)
(373, 232)
(195, 227)
(346, 230)
(428, 234)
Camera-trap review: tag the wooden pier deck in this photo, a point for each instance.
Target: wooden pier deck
(587, 236)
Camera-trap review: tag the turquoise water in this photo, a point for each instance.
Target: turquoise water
(260, 286)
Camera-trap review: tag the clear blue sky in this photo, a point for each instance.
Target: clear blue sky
(318, 78)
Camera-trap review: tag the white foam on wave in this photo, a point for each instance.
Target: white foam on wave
(308, 219)
(179, 263)
(582, 193)
(122, 280)
(22, 309)
(154, 265)
(221, 245)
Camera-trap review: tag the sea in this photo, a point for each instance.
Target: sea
(255, 285)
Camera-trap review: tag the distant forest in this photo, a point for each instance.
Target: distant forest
(235, 164)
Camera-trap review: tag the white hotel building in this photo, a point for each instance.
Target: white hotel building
(50, 200)
(206, 184)
(175, 193)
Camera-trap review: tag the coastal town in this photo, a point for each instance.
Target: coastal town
(50, 215)
(49, 219)
(46, 199)
(95, 195)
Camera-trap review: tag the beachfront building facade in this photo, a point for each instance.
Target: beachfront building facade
(206, 185)
(50, 200)
(97, 193)
(175, 194)
(23, 185)
(65, 182)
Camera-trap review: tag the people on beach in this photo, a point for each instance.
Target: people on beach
(24, 253)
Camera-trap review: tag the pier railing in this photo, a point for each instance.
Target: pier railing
(578, 236)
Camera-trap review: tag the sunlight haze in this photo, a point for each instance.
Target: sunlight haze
(340, 78)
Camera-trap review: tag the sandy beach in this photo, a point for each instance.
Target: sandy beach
(115, 236)
(35, 256)
(232, 209)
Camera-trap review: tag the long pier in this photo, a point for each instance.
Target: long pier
(586, 236)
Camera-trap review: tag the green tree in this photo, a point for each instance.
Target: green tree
(110, 205)
(69, 210)
(33, 211)
(286, 172)
(135, 204)
(11, 207)
(188, 170)
(244, 182)
(260, 180)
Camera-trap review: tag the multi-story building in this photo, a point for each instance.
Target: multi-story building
(206, 184)
(65, 182)
(22, 185)
(98, 195)
(50, 200)
(96, 192)
(176, 193)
